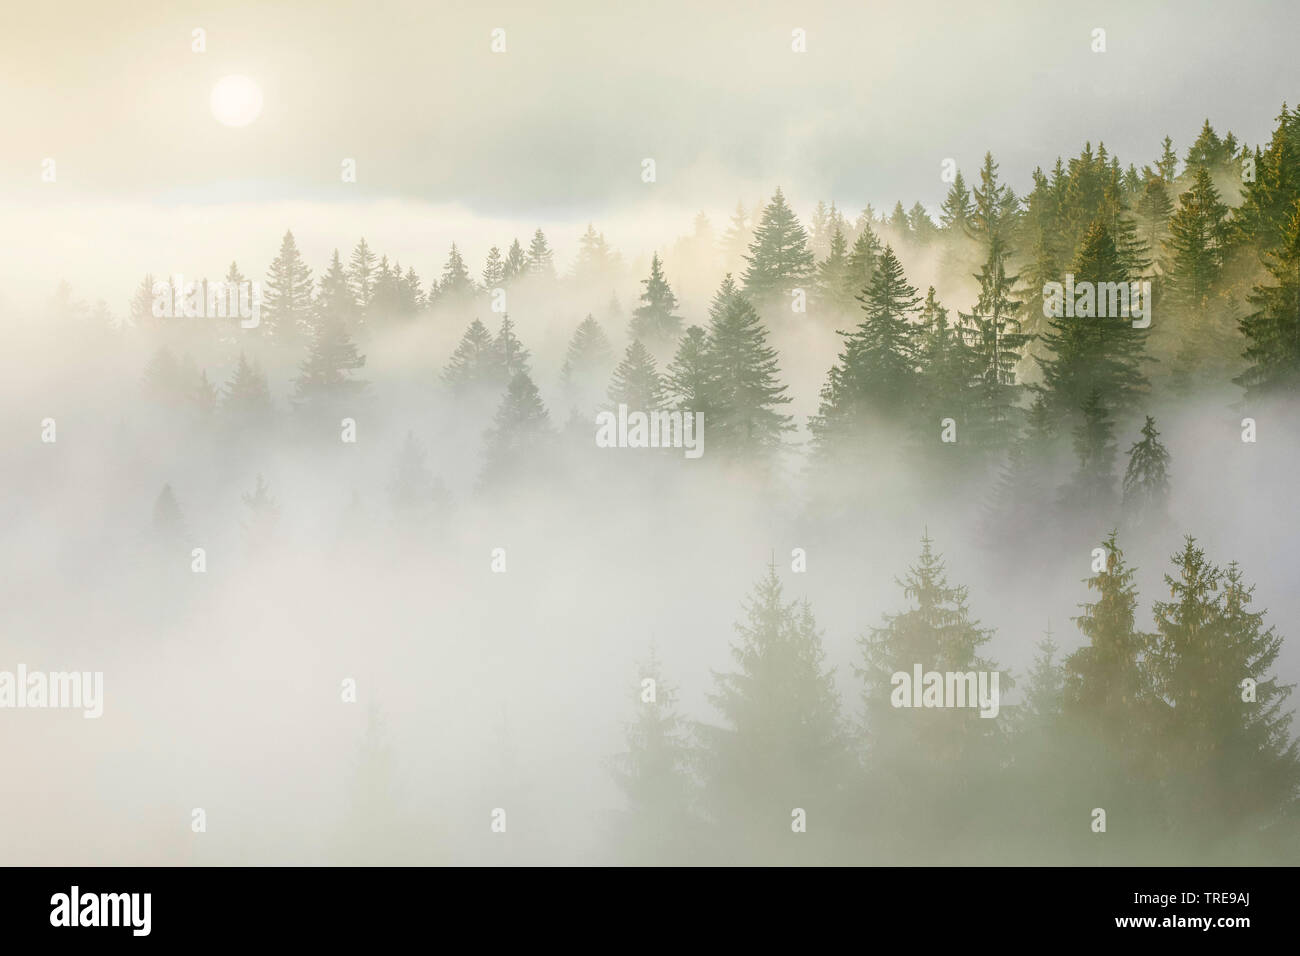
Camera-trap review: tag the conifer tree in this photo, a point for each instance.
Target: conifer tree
(653, 321)
(287, 301)
(876, 373)
(1198, 236)
(511, 356)
(1093, 484)
(541, 260)
(203, 396)
(246, 402)
(1167, 165)
(1146, 479)
(412, 297)
(735, 240)
(325, 383)
(595, 258)
(140, 311)
(516, 263)
(455, 287)
(934, 761)
(862, 261)
(657, 826)
(779, 259)
(833, 275)
(361, 276)
(168, 522)
(1270, 200)
(1045, 689)
(746, 392)
(780, 744)
(1272, 331)
(690, 381)
(1087, 354)
(950, 366)
(1225, 756)
(519, 440)
(164, 379)
(1107, 689)
(475, 362)
(997, 344)
(636, 382)
(958, 210)
(922, 226)
(588, 360)
(494, 270)
(335, 298)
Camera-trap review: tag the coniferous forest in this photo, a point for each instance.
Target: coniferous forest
(403, 561)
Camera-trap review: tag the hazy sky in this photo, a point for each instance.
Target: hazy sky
(462, 143)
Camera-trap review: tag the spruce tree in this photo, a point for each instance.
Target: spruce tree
(997, 344)
(747, 395)
(519, 441)
(335, 299)
(140, 311)
(875, 377)
(361, 276)
(653, 321)
(1107, 689)
(657, 825)
(455, 288)
(1092, 354)
(541, 260)
(833, 275)
(246, 402)
(511, 356)
(690, 381)
(1197, 245)
(958, 209)
(779, 259)
(780, 744)
(325, 384)
(1093, 484)
(588, 360)
(494, 270)
(860, 267)
(475, 363)
(168, 522)
(735, 240)
(950, 366)
(636, 382)
(1272, 331)
(516, 263)
(1146, 479)
(287, 302)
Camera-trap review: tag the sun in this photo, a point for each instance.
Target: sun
(236, 100)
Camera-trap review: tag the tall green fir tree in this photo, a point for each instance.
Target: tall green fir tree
(779, 258)
(780, 744)
(287, 301)
(636, 382)
(654, 321)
